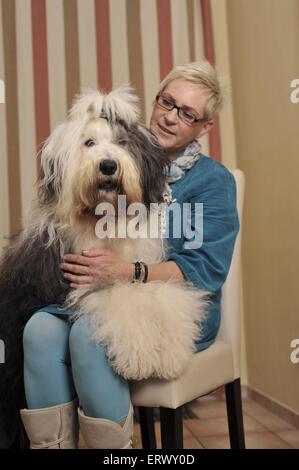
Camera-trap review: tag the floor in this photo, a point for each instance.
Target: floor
(208, 428)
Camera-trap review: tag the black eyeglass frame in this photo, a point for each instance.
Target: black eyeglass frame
(178, 108)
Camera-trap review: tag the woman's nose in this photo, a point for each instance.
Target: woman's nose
(171, 116)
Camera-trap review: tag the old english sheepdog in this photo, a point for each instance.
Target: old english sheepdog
(99, 156)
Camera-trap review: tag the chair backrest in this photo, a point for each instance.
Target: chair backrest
(229, 330)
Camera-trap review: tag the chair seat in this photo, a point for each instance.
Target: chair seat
(214, 364)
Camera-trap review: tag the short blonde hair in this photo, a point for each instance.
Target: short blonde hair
(204, 75)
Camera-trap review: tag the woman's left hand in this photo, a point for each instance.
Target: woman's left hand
(95, 268)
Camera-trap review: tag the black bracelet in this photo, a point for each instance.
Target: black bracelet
(145, 271)
(141, 272)
(137, 271)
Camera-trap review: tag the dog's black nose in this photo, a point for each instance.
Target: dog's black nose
(108, 167)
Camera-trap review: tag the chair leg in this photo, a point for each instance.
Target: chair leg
(235, 415)
(148, 436)
(172, 428)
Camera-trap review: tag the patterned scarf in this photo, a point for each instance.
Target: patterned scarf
(183, 162)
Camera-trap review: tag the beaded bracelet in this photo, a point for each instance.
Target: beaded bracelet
(145, 271)
(141, 272)
(137, 271)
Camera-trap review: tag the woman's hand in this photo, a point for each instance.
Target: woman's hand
(95, 268)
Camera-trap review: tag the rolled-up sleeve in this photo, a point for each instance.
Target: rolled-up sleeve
(207, 266)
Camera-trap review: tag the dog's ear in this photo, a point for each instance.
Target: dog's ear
(45, 188)
(152, 161)
(53, 160)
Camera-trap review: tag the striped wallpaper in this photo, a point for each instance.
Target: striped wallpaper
(50, 49)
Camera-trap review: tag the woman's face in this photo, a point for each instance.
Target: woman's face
(172, 133)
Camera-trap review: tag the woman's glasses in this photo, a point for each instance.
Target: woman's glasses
(185, 114)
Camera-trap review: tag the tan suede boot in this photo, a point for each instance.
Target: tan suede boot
(52, 428)
(101, 433)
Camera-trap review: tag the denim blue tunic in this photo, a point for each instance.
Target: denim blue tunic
(208, 182)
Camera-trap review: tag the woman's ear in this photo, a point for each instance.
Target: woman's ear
(206, 127)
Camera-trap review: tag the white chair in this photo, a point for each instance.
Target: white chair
(216, 366)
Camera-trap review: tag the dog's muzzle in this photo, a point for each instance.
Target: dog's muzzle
(108, 169)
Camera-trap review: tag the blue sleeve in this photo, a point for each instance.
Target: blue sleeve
(207, 266)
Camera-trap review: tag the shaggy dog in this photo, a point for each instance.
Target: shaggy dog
(99, 154)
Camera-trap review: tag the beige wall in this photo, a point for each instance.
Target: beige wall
(264, 55)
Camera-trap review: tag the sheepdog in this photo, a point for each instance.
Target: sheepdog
(97, 157)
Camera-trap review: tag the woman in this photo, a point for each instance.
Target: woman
(60, 360)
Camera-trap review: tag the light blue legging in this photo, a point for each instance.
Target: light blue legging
(61, 362)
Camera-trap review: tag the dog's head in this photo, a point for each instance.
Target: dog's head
(99, 153)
